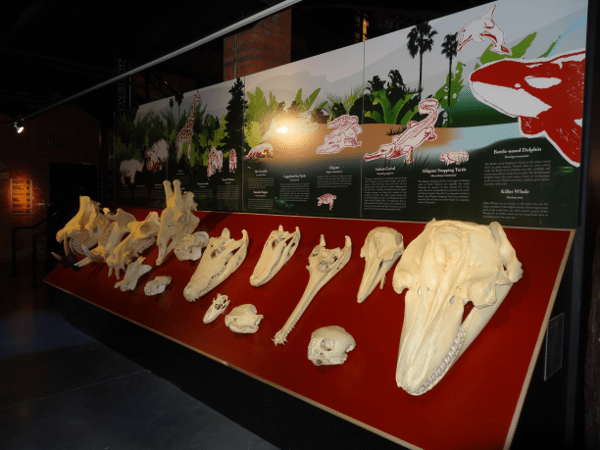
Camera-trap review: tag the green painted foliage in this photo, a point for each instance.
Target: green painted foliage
(252, 133)
(517, 51)
(390, 112)
(258, 105)
(306, 104)
(457, 84)
(547, 52)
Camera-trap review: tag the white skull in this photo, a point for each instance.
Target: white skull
(218, 307)
(157, 286)
(243, 319)
(383, 246)
(329, 346)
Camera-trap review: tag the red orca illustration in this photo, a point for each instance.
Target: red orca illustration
(546, 95)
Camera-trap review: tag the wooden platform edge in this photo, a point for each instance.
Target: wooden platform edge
(538, 345)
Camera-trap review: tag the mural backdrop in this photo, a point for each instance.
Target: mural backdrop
(475, 116)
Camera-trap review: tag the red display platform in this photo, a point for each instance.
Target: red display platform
(477, 403)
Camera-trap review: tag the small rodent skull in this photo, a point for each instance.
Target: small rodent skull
(330, 345)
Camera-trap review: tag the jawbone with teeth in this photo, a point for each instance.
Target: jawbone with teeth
(278, 249)
(220, 259)
(449, 264)
(323, 265)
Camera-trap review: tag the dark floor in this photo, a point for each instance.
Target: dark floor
(61, 389)
(73, 376)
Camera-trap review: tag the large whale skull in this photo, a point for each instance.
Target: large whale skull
(448, 265)
(383, 246)
(323, 264)
(220, 259)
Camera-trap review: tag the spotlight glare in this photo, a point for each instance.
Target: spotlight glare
(282, 130)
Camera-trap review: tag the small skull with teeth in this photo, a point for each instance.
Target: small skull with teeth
(330, 346)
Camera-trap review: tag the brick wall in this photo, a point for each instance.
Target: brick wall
(264, 45)
(75, 138)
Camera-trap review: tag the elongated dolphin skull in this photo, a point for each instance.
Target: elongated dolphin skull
(278, 249)
(383, 246)
(330, 346)
(323, 264)
(176, 220)
(449, 264)
(220, 259)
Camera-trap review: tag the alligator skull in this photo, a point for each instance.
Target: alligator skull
(176, 220)
(383, 246)
(278, 249)
(220, 259)
(330, 346)
(81, 230)
(243, 319)
(323, 264)
(114, 227)
(218, 307)
(449, 264)
(132, 275)
(191, 245)
(157, 286)
(141, 236)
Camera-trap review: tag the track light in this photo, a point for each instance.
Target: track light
(18, 126)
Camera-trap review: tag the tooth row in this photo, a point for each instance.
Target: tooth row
(448, 360)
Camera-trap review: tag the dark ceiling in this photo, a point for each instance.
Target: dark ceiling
(52, 49)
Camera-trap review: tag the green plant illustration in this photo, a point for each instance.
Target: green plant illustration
(449, 50)
(420, 40)
(442, 95)
(392, 104)
(337, 106)
(518, 51)
(390, 113)
(547, 52)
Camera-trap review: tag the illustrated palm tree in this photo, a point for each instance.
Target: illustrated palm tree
(420, 40)
(449, 50)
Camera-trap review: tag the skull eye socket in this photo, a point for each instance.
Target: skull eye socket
(327, 344)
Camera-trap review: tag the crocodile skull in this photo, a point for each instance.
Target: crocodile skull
(323, 264)
(449, 264)
(176, 220)
(191, 245)
(141, 236)
(218, 307)
(243, 319)
(220, 259)
(383, 246)
(330, 346)
(278, 249)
